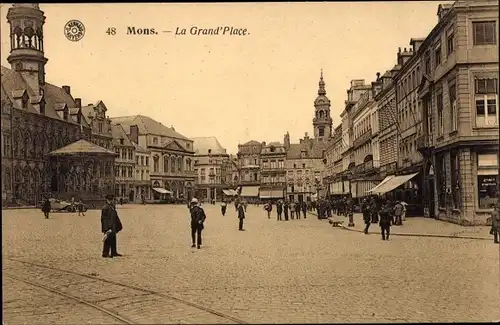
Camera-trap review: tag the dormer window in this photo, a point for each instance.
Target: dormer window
(121, 141)
(42, 107)
(24, 101)
(65, 114)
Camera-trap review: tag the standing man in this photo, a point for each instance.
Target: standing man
(398, 213)
(46, 208)
(223, 207)
(285, 210)
(197, 219)
(385, 221)
(241, 216)
(292, 210)
(110, 226)
(304, 209)
(279, 210)
(495, 222)
(366, 215)
(269, 208)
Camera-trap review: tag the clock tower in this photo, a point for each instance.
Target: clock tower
(26, 44)
(322, 121)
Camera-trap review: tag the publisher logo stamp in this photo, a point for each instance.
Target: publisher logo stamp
(74, 30)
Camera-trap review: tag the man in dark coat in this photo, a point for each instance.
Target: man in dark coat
(304, 209)
(374, 210)
(241, 216)
(110, 226)
(366, 208)
(285, 210)
(385, 221)
(197, 219)
(46, 208)
(279, 210)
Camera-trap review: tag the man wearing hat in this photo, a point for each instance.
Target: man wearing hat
(110, 226)
(197, 219)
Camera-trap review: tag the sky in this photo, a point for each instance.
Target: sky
(237, 88)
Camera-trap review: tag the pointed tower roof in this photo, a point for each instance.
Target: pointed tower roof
(321, 90)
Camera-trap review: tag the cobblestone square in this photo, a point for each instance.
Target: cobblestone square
(278, 272)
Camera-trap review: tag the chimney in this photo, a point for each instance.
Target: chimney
(263, 143)
(78, 102)
(172, 127)
(378, 76)
(134, 133)
(67, 89)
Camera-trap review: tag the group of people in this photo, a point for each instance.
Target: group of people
(390, 213)
(74, 206)
(286, 210)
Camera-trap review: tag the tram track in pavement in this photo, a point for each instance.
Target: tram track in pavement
(133, 291)
(79, 300)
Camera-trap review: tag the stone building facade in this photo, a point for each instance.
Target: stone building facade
(96, 116)
(273, 172)
(249, 163)
(333, 168)
(171, 161)
(142, 179)
(459, 92)
(37, 118)
(124, 164)
(211, 161)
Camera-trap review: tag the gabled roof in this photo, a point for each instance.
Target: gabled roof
(252, 143)
(313, 148)
(147, 125)
(14, 84)
(118, 133)
(82, 147)
(174, 145)
(201, 146)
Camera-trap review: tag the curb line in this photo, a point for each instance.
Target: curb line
(415, 235)
(422, 235)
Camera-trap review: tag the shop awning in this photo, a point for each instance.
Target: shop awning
(161, 190)
(249, 191)
(394, 183)
(229, 192)
(271, 194)
(388, 178)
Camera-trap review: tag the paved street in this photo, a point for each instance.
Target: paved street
(279, 272)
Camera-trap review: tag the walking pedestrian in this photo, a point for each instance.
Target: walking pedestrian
(366, 215)
(285, 210)
(304, 209)
(279, 210)
(385, 221)
(398, 213)
(223, 207)
(495, 223)
(241, 216)
(374, 210)
(46, 207)
(197, 223)
(269, 208)
(110, 226)
(298, 207)
(81, 208)
(292, 210)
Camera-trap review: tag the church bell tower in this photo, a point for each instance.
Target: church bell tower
(322, 121)
(26, 44)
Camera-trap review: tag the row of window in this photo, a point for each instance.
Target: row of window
(142, 160)
(273, 164)
(125, 153)
(124, 171)
(172, 164)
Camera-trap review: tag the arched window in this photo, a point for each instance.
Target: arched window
(321, 114)
(165, 163)
(17, 143)
(6, 179)
(188, 164)
(172, 164)
(28, 145)
(179, 164)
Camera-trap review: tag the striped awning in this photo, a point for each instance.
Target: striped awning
(249, 191)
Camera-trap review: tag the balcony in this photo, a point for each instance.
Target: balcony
(424, 145)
